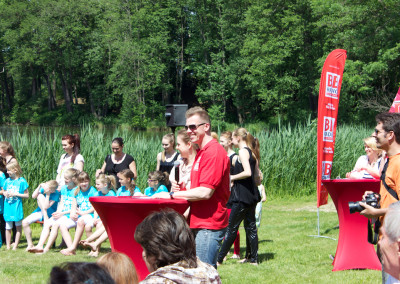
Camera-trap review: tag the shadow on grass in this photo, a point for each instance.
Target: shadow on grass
(264, 241)
(265, 256)
(330, 229)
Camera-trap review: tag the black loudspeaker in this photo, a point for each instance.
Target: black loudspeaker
(175, 115)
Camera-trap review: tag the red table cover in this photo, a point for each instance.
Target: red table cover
(353, 250)
(121, 215)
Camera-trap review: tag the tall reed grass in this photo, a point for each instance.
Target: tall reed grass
(288, 153)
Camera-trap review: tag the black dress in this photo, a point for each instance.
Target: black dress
(114, 169)
(167, 166)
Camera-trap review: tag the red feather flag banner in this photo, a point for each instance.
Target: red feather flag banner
(396, 103)
(328, 105)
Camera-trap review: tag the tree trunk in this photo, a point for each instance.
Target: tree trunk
(51, 102)
(92, 108)
(66, 92)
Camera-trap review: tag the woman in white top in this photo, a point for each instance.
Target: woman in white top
(368, 166)
(188, 152)
(71, 159)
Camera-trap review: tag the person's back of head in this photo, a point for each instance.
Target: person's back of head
(79, 272)
(120, 267)
(166, 237)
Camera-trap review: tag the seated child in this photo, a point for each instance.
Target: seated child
(158, 182)
(86, 221)
(66, 208)
(128, 185)
(47, 197)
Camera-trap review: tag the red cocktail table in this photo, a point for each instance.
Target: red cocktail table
(121, 215)
(353, 250)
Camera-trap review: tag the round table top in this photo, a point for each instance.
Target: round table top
(136, 200)
(347, 180)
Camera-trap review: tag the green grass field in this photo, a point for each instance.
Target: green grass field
(287, 253)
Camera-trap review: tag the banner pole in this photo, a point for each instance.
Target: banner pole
(319, 235)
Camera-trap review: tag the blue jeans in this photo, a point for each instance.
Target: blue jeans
(208, 243)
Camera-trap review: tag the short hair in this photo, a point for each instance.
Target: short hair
(79, 272)
(390, 122)
(392, 222)
(166, 236)
(13, 165)
(120, 267)
(200, 112)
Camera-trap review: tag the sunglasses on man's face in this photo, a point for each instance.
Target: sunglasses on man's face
(193, 126)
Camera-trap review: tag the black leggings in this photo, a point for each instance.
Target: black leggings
(241, 213)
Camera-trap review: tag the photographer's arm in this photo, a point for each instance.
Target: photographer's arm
(371, 212)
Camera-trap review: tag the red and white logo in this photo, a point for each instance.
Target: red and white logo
(326, 169)
(329, 123)
(332, 85)
(330, 106)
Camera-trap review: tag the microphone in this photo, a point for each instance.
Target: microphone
(177, 164)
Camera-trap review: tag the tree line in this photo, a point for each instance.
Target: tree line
(244, 60)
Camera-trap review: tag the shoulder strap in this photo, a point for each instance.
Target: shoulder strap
(388, 188)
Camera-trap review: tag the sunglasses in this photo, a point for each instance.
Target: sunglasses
(194, 126)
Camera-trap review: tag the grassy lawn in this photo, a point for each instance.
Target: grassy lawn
(286, 252)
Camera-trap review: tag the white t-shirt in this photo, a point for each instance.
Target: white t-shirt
(362, 162)
(65, 163)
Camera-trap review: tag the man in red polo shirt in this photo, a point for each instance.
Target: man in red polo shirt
(209, 187)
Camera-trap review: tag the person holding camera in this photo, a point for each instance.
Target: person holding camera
(387, 135)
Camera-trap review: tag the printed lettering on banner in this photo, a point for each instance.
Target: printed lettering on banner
(332, 85)
(328, 150)
(330, 106)
(329, 123)
(326, 169)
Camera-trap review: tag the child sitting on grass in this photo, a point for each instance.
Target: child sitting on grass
(15, 188)
(47, 197)
(85, 213)
(66, 207)
(128, 185)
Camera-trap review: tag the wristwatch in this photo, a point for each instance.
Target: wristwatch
(171, 195)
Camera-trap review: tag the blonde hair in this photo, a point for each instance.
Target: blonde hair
(227, 135)
(53, 184)
(109, 180)
(5, 145)
(120, 267)
(251, 142)
(127, 173)
(81, 177)
(161, 177)
(13, 165)
(371, 142)
(72, 174)
(200, 112)
(186, 138)
(171, 138)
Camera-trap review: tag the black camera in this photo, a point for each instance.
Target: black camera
(370, 199)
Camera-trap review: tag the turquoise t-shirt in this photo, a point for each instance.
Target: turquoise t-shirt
(122, 191)
(110, 193)
(82, 199)
(150, 191)
(2, 180)
(13, 205)
(55, 196)
(67, 196)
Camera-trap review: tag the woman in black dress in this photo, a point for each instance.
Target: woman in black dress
(117, 161)
(166, 158)
(244, 196)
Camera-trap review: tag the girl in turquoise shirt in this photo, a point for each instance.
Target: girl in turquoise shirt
(128, 185)
(158, 182)
(15, 188)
